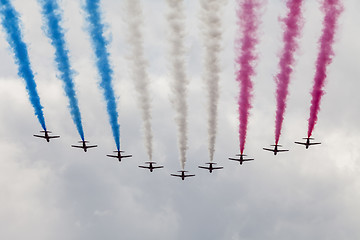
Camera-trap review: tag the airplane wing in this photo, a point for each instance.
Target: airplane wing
(204, 167)
(77, 146)
(54, 136)
(314, 143)
(39, 136)
(250, 159)
(175, 175)
(218, 167)
(234, 159)
(91, 146)
(190, 175)
(301, 143)
(127, 156)
(113, 156)
(144, 167)
(158, 167)
(284, 150)
(268, 149)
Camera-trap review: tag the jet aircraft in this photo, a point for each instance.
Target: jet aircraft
(276, 150)
(211, 167)
(183, 175)
(84, 146)
(241, 158)
(119, 156)
(46, 135)
(307, 143)
(151, 166)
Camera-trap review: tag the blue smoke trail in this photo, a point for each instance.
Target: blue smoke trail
(96, 30)
(11, 24)
(52, 16)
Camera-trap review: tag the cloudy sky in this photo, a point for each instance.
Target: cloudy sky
(52, 191)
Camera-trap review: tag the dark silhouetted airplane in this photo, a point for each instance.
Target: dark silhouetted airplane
(84, 146)
(182, 175)
(119, 156)
(211, 167)
(46, 135)
(151, 166)
(241, 158)
(307, 143)
(275, 150)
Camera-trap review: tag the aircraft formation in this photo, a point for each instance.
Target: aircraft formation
(248, 20)
(210, 166)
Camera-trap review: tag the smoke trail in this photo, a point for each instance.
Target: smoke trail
(52, 16)
(248, 21)
(292, 32)
(139, 65)
(11, 24)
(212, 39)
(177, 51)
(99, 43)
(332, 10)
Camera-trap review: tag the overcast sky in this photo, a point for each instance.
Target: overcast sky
(52, 191)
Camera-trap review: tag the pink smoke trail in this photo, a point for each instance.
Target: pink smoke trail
(292, 32)
(248, 22)
(332, 10)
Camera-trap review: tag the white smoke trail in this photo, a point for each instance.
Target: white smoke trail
(138, 64)
(211, 28)
(177, 54)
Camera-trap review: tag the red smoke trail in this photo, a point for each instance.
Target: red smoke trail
(248, 23)
(292, 32)
(332, 10)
